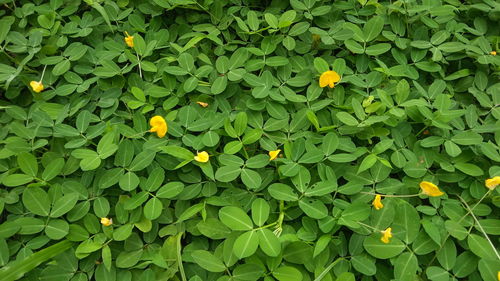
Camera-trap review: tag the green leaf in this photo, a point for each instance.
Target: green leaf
(170, 190)
(64, 205)
(378, 49)
(367, 163)
(246, 244)
(287, 273)
(260, 211)
(123, 232)
(373, 28)
(269, 243)
(469, 169)
(27, 163)
(227, 173)
(53, 169)
(480, 247)
(208, 261)
(57, 229)
(36, 201)
(235, 218)
(142, 160)
(364, 265)
(321, 65)
(405, 267)
(251, 178)
(283, 192)
(447, 256)
(313, 208)
(347, 118)
(19, 268)
(287, 18)
(380, 250)
(153, 209)
(191, 211)
(17, 179)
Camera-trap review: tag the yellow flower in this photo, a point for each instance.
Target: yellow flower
(329, 78)
(106, 221)
(129, 40)
(36, 86)
(202, 104)
(377, 202)
(158, 125)
(202, 157)
(492, 183)
(273, 154)
(430, 189)
(498, 276)
(386, 235)
(494, 53)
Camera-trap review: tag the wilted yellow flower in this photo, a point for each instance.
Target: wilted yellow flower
(377, 202)
(273, 154)
(494, 53)
(202, 104)
(202, 157)
(129, 40)
(329, 78)
(37, 86)
(106, 221)
(386, 235)
(430, 189)
(158, 125)
(492, 183)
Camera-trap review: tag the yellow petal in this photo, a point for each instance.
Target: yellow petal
(492, 183)
(494, 53)
(430, 189)
(386, 235)
(202, 157)
(377, 202)
(498, 276)
(328, 78)
(202, 104)
(158, 125)
(36, 86)
(106, 221)
(273, 154)
(129, 40)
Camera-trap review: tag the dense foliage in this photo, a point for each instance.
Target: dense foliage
(249, 140)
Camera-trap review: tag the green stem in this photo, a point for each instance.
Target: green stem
(480, 227)
(179, 257)
(320, 277)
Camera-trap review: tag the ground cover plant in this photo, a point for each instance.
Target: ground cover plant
(249, 140)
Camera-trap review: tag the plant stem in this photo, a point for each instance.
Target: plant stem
(320, 277)
(480, 227)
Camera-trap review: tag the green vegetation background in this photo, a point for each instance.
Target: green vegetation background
(418, 100)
